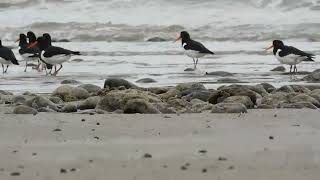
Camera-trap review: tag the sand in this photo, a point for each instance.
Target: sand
(261, 145)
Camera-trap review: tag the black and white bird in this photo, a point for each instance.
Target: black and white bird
(53, 55)
(28, 54)
(289, 55)
(192, 48)
(6, 57)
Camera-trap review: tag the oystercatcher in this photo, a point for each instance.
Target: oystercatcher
(53, 55)
(192, 48)
(28, 54)
(289, 55)
(6, 57)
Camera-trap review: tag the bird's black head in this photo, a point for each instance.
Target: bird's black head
(41, 42)
(277, 44)
(31, 37)
(47, 37)
(184, 35)
(22, 40)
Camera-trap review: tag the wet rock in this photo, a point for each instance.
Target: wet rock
(19, 99)
(245, 100)
(156, 39)
(264, 106)
(315, 94)
(285, 89)
(115, 100)
(313, 77)
(70, 81)
(146, 80)
(39, 102)
(164, 108)
(3, 92)
(45, 109)
(203, 95)
(218, 97)
(62, 91)
(158, 90)
(178, 104)
(298, 105)
(258, 89)
(56, 100)
(79, 93)
(69, 93)
(300, 89)
(15, 174)
(172, 93)
(139, 106)
(219, 73)
(200, 107)
(305, 98)
(279, 69)
(116, 83)
(229, 108)
(89, 103)
(268, 87)
(228, 80)
(69, 108)
(90, 88)
(239, 90)
(189, 69)
(312, 87)
(187, 88)
(274, 100)
(77, 60)
(22, 109)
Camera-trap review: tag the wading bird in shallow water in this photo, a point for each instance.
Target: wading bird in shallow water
(289, 55)
(6, 57)
(28, 54)
(192, 48)
(53, 55)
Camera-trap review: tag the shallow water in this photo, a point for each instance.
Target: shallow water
(164, 62)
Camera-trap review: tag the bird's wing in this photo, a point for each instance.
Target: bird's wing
(290, 50)
(54, 51)
(196, 46)
(7, 54)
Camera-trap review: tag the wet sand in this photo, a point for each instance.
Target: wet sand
(263, 144)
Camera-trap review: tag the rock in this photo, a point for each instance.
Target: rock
(203, 95)
(201, 107)
(146, 80)
(264, 106)
(70, 81)
(228, 80)
(274, 100)
(39, 102)
(77, 60)
(286, 89)
(187, 88)
(298, 105)
(22, 109)
(90, 88)
(229, 108)
(3, 92)
(219, 73)
(189, 69)
(164, 108)
(300, 89)
(116, 99)
(56, 100)
(245, 100)
(239, 90)
(178, 104)
(69, 93)
(172, 93)
(313, 77)
(19, 99)
(158, 90)
(139, 106)
(315, 94)
(69, 108)
(156, 39)
(279, 69)
(312, 87)
(218, 96)
(305, 98)
(268, 87)
(89, 103)
(116, 83)
(45, 109)
(257, 88)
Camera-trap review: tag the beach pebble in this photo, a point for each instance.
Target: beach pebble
(22, 109)
(147, 155)
(156, 39)
(245, 100)
(279, 69)
(15, 174)
(229, 108)
(139, 106)
(69, 108)
(89, 103)
(91, 88)
(70, 81)
(116, 83)
(219, 73)
(146, 80)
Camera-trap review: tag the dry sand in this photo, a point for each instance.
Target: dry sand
(260, 145)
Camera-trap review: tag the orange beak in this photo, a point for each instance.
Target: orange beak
(18, 40)
(268, 48)
(178, 39)
(33, 44)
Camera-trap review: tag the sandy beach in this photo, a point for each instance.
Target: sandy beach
(263, 144)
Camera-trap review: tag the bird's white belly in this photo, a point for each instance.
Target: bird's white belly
(291, 59)
(3, 61)
(194, 54)
(58, 59)
(27, 58)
